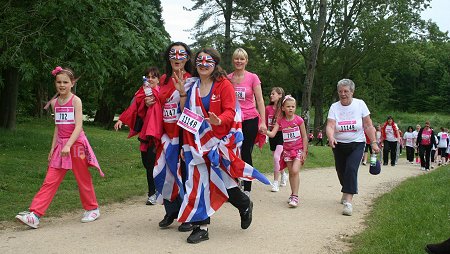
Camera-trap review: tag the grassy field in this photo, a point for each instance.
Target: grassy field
(23, 165)
(415, 213)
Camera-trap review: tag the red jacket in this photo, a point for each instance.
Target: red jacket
(223, 104)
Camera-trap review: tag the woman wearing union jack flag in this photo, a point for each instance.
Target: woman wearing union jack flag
(211, 122)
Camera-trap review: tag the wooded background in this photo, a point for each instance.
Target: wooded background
(397, 60)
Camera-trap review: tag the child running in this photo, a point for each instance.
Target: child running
(273, 112)
(70, 150)
(295, 144)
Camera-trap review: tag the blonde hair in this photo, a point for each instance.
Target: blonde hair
(240, 52)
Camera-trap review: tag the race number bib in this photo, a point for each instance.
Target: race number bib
(64, 115)
(270, 121)
(170, 112)
(240, 93)
(190, 121)
(291, 134)
(346, 126)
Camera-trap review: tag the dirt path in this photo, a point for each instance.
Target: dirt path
(316, 226)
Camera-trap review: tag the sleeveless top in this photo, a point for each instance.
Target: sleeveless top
(65, 118)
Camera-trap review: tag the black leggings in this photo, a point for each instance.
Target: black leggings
(410, 153)
(425, 156)
(389, 146)
(249, 130)
(148, 160)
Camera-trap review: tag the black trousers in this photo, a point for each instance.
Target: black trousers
(410, 153)
(148, 160)
(389, 147)
(172, 208)
(347, 157)
(249, 130)
(425, 156)
(237, 198)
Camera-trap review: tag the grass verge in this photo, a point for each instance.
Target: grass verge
(415, 213)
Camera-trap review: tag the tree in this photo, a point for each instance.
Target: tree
(101, 41)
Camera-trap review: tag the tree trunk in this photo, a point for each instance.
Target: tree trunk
(311, 62)
(227, 43)
(318, 96)
(104, 115)
(8, 96)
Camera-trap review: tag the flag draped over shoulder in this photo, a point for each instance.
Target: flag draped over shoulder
(212, 164)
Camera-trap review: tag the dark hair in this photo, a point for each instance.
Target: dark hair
(390, 117)
(410, 127)
(218, 72)
(153, 70)
(187, 66)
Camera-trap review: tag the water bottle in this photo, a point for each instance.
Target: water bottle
(147, 88)
(373, 159)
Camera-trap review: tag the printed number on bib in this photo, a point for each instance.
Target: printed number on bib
(347, 126)
(291, 134)
(170, 112)
(190, 121)
(64, 115)
(240, 93)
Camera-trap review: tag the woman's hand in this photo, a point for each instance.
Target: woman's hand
(118, 125)
(262, 128)
(375, 147)
(213, 119)
(332, 142)
(149, 100)
(179, 81)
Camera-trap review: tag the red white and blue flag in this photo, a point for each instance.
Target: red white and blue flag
(212, 164)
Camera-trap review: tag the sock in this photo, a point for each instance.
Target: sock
(204, 227)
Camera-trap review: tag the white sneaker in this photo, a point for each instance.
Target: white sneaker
(275, 187)
(91, 215)
(247, 193)
(284, 178)
(348, 209)
(151, 200)
(29, 219)
(422, 168)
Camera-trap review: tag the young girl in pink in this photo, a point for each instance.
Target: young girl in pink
(70, 150)
(273, 112)
(295, 144)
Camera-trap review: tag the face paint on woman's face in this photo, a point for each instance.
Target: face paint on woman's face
(205, 61)
(178, 54)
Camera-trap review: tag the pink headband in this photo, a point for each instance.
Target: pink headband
(288, 97)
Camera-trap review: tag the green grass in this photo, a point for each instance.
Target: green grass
(415, 213)
(23, 166)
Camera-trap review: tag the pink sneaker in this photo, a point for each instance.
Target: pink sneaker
(293, 201)
(91, 215)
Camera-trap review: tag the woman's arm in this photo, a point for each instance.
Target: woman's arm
(331, 125)
(371, 133)
(261, 108)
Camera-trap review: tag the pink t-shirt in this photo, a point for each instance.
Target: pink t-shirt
(270, 120)
(245, 94)
(292, 137)
(426, 137)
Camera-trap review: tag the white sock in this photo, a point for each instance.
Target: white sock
(204, 227)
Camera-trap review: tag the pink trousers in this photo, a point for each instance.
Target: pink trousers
(54, 178)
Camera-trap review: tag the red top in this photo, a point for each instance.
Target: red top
(223, 104)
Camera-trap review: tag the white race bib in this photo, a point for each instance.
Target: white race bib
(64, 115)
(291, 134)
(170, 112)
(190, 121)
(240, 93)
(346, 126)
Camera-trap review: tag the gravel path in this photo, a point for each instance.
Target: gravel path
(316, 226)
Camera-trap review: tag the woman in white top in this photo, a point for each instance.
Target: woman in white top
(408, 139)
(348, 119)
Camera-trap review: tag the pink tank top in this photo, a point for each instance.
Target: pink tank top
(65, 118)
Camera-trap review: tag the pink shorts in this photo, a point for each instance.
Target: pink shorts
(291, 155)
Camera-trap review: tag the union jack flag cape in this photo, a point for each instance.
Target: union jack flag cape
(212, 164)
